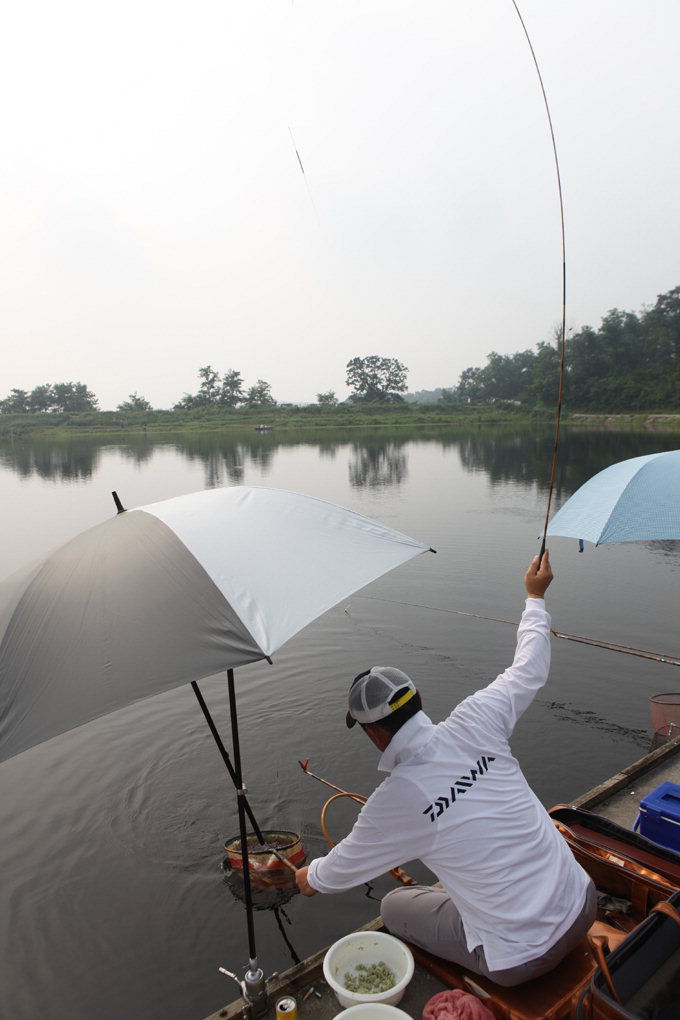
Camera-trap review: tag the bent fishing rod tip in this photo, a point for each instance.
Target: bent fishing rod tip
(303, 764)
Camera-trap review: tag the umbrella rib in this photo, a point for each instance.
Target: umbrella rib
(603, 530)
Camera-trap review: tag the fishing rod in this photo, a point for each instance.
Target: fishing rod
(560, 393)
(610, 646)
(359, 798)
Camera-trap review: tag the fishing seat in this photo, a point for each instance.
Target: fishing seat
(550, 997)
(555, 995)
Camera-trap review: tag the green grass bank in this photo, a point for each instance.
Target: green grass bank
(287, 418)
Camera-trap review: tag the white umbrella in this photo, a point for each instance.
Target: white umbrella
(170, 593)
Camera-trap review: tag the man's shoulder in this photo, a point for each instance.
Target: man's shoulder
(399, 792)
(397, 804)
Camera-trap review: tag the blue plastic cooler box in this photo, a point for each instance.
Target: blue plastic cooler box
(660, 816)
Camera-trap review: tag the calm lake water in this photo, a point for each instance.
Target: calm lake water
(112, 901)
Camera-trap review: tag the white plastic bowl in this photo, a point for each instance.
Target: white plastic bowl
(368, 947)
(373, 1011)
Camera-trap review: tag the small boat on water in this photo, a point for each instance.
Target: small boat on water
(632, 875)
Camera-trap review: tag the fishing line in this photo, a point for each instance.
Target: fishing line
(610, 646)
(558, 415)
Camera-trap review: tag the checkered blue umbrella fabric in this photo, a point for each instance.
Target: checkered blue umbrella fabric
(636, 500)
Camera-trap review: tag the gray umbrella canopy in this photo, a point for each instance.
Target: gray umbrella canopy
(170, 593)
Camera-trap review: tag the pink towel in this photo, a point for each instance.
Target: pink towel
(454, 1004)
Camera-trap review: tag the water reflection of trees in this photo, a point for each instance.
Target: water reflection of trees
(377, 465)
(373, 462)
(137, 451)
(224, 459)
(220, 465)
(525, 456)
(70, 461)
(376, 458)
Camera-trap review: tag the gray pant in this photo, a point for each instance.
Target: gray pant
(428, 918)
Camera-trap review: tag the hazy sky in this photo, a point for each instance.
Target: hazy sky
(154, 217)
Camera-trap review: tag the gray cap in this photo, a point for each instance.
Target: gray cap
(374, 695)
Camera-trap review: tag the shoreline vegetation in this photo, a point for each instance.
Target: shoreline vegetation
(290, 418)
(630, 366)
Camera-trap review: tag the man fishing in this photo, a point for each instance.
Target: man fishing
(513, 900)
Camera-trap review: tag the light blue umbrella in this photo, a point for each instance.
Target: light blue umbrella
(636, 500)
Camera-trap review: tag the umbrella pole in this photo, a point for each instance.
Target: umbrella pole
(225, 758)
(253, 986)
(255, 989)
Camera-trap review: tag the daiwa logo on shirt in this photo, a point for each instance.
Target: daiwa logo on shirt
(461, 785)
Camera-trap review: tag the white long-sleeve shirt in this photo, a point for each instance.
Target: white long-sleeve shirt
(456, 799)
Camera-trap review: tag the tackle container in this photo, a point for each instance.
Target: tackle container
(659, 818)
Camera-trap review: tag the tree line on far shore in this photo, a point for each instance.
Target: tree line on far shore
(373, 378)
(630, 363)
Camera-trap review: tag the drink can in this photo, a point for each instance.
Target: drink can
(286, 1008)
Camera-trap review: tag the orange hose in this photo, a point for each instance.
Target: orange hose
(336, 796)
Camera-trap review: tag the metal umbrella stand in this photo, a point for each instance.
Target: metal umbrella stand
(253, 986)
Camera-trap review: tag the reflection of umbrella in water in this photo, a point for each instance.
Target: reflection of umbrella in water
(636, 500)
(171, 593)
